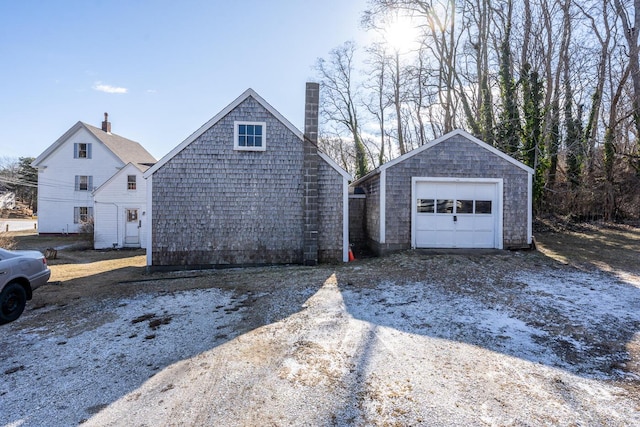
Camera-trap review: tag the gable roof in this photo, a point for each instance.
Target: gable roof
(226, 110)
(126, 150)
(128, 167)
(457, 132)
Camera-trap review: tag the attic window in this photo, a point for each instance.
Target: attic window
(249, 136)
(131, 182)
(81, 150)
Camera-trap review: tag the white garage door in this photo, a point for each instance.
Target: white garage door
(456, 214)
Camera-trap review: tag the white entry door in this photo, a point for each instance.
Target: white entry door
(456, 214)
(132, 228)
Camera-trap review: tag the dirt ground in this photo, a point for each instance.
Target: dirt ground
(546, 337)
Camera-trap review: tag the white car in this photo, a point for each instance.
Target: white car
(20, 273)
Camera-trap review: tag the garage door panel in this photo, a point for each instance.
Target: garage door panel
(425, 237)
(485, 191)
(465, 222)
(484, 239)
(464, 239)
(464, 216)
(465, 192)
(443, 239)
(445, 189)
(444, 222)
(425, 192)
(484, 223)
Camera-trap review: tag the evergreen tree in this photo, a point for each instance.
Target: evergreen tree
(572, 138)
(27, 190)
(533, 153)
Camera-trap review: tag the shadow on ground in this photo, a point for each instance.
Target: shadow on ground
(285, 335)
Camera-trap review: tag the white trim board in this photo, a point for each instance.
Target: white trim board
(457, 132)
(383, 206)
(149, 241)
(345, 220)
(530, 208)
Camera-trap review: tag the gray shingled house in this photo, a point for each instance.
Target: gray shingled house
(453, 192)
(248, 188)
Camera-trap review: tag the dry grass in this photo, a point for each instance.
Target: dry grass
(69, 272)
(29, 239)
(79, 271)
(86, 273)
(610, 247)
(7, 241)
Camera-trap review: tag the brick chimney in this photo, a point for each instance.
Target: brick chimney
(106, 125)
(310, 171)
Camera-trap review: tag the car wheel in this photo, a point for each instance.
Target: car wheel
(13, 299)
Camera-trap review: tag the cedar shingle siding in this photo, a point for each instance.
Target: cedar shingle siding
(213, 205)
(330, 211)
(454, 157)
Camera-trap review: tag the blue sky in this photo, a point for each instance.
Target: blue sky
(159, 68)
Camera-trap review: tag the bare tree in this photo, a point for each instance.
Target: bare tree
(631, 27)
(378, 100)
(557, 81)
(601, 28)
(339, 93)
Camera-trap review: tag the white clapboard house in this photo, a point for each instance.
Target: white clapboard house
(90, 175)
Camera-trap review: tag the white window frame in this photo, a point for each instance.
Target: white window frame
(78, 183)
(133, 183)
(236, 129)
(76, 150)
(78, 216)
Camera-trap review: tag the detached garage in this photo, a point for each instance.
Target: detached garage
(454, 192)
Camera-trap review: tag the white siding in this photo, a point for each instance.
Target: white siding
(56, 181)
(111, 202)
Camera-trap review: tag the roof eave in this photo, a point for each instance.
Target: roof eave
(53, 147)
(457, 132)
(368, 176)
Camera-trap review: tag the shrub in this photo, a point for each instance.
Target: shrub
(86, 231)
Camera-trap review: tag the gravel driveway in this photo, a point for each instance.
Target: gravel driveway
(504, 338)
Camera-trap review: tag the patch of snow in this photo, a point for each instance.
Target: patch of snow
(75, 375)
(390, 354)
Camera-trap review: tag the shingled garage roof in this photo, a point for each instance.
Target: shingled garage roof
(126, 150)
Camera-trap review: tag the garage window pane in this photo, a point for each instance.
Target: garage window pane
(483, 206)
(426, 205)
(444, 206)
(464, 207)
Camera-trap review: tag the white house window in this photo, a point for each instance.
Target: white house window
(84, 183)
(250, 136)
(81, 150)
(82, 214)
(131, 182)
